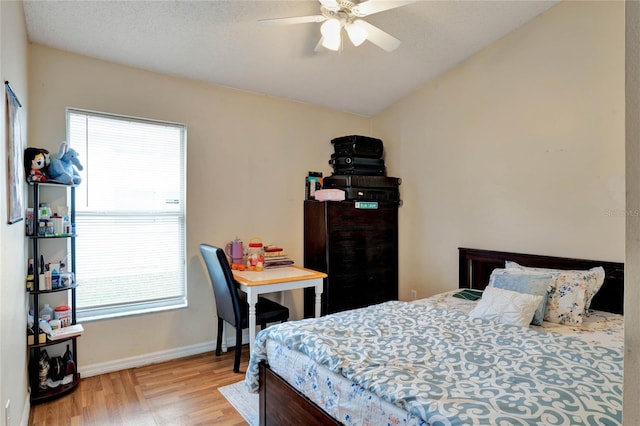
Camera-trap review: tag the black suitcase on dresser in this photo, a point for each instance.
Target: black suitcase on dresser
(363, 162)
(353, 170)
(391, 195)
(366, 188)
(359, 181)
(357, 146)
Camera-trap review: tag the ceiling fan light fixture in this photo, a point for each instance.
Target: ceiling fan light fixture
(357, 33)
(336, 14)
(330, 30)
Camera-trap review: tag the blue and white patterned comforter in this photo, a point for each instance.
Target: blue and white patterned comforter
(446, 368)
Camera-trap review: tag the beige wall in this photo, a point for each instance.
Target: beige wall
(247, 159)
(520, 148)
(13, 315)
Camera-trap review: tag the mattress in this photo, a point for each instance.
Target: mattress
(427, 362)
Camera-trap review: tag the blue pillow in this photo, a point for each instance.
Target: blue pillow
(536, 284)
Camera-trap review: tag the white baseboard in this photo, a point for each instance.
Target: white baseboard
(160, 356)
(146, 359)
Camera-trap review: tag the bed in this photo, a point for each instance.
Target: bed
(432, 362)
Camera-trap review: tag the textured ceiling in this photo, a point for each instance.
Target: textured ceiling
(219, 42)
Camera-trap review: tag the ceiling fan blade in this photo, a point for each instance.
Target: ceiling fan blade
(294, 20)
(330, 4)
(378, 37)
(319, 47)
(370, 7)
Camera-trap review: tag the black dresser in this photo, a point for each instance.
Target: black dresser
(356, 247)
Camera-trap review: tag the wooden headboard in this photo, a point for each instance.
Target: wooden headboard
(476, 266)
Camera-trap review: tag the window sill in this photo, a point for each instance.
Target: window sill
(108, 314)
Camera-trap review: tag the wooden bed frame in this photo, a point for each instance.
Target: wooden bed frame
(281, 404)
(476, 266)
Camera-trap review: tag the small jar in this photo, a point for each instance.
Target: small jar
(255, 253)
(63, 314)
(42, 228)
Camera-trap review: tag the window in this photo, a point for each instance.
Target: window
(130, 214)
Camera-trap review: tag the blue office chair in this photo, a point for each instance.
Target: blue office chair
(231, 304)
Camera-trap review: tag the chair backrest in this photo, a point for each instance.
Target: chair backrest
(224, 285)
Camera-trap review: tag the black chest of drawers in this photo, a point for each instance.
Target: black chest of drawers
(357, 248)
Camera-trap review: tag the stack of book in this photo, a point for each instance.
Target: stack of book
(275, 257)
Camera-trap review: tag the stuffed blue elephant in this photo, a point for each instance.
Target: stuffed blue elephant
(64, 167)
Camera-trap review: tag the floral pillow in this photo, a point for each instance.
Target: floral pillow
(564, 305)
(567, 303)
(506, 306)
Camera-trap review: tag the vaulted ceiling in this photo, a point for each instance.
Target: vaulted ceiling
(219, 41)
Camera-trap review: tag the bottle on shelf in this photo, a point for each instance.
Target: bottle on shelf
(44, 211)
(42, 228)
(46, 313)
(66, 225)
(31, 228)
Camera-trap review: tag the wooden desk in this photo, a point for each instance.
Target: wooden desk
(272, 280)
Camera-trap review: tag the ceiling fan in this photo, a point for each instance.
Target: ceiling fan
(338, 14)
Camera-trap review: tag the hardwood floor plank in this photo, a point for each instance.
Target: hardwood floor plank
(181, 392)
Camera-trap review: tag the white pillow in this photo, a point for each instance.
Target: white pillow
(506, 306)
(525, 282)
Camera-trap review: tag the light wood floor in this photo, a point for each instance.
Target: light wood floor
(179, 392)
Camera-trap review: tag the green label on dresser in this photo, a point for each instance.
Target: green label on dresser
(367, 205)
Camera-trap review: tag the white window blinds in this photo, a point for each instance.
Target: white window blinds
(130, 214)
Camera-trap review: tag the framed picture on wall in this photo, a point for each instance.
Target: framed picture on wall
(14, 157)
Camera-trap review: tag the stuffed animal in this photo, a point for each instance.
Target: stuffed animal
(64, 168)
(36, 161)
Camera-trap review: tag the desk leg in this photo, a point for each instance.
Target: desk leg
(252, 299)
(319, 288)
